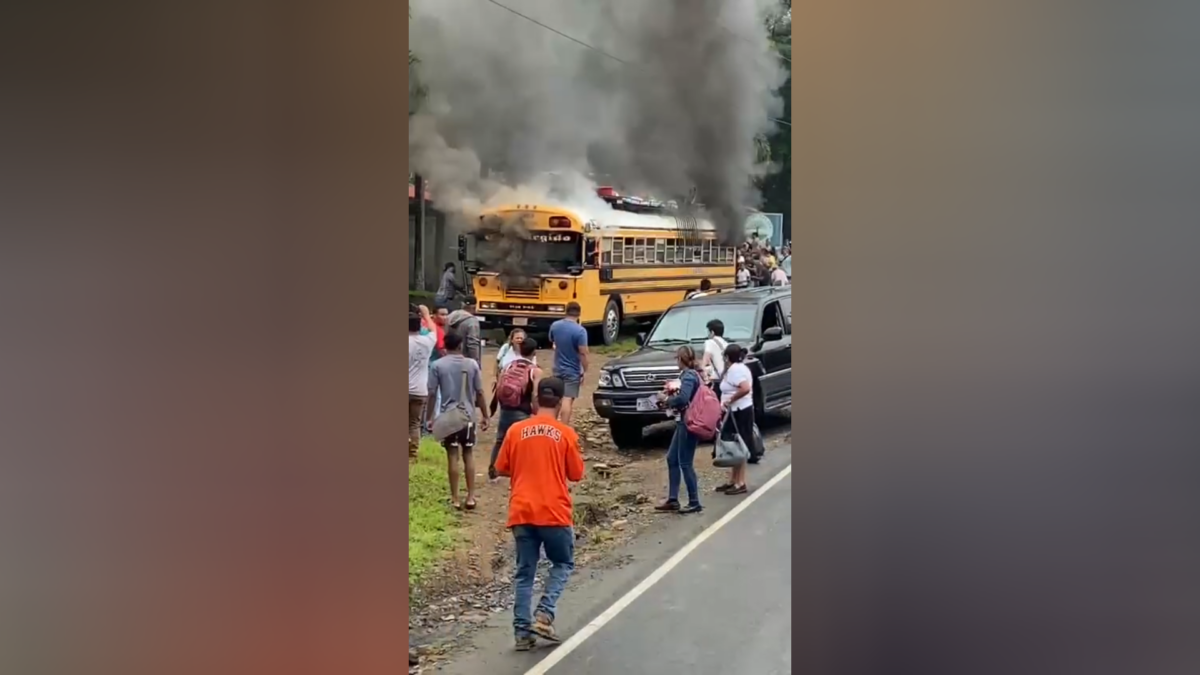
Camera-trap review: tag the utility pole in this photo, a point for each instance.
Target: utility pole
(419, 188)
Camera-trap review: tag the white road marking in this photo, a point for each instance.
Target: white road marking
(571, 644)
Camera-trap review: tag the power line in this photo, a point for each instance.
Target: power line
(747, 40)
(560, 33)
(610, 56)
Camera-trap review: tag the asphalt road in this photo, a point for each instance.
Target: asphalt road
(725, 607)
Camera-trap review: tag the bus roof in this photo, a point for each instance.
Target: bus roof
(603, 219)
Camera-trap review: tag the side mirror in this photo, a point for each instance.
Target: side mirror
(641, 339)
(773, 333)
(591, 252)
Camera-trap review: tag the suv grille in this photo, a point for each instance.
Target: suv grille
(651, 380)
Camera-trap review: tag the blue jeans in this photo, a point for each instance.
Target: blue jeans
(559, 543)
(507, 419)
(680, 458)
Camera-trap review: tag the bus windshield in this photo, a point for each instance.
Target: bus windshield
(536, 253)
(689, 324)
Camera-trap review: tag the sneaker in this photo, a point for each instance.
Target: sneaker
(543, 626)
(524, 644)
(740, 490)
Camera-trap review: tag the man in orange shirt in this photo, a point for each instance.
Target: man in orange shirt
(541, 455)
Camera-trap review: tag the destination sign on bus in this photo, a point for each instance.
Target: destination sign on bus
(540, 237)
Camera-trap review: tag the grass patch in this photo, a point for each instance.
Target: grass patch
(432, 524)
(624, 345)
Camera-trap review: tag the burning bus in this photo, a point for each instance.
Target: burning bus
(629, 261)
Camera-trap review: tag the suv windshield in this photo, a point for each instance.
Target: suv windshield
(682, 325)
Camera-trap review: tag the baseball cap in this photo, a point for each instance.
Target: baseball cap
(551, 386)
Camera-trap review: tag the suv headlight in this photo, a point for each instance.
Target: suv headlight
(611, 378)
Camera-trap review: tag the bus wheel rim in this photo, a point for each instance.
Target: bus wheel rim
(610, 322)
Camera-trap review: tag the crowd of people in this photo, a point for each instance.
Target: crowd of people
(761, 264)
(535, 445)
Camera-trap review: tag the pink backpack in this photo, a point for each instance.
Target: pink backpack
(703, 414)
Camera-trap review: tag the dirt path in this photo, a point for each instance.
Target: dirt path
(612, 505)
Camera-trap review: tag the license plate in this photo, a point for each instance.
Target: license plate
(647, 404)
(520, 321)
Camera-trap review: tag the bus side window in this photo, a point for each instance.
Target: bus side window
(629, 250)
(618, 252)
(660, 251)
(670, 251)
(606, 250)
(639, 250)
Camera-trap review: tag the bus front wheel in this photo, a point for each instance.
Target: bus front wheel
(611, 328)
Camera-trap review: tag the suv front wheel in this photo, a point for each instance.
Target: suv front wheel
(626, 434)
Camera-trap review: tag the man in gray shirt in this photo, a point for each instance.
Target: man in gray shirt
(446, 378)
(448, 287)
(466, 324)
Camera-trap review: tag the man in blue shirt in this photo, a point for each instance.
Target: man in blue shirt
(570, 343)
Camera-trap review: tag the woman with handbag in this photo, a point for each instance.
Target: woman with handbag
(682, 453)
(737, 398)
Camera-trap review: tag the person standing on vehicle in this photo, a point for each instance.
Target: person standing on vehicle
(681, 455)
(515, 386)
(541, 457)
(712, 363)
(448, 288)
(737, 398)
(466, 324)
(460, 383)
(570, 342)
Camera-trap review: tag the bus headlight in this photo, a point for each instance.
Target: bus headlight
(487, 305)
(556, 308)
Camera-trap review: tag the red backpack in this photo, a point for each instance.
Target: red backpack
(703, 414)
(511, 389)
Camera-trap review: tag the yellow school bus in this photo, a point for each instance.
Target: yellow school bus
(629, 261)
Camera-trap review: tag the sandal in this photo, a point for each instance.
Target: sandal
(470, 505)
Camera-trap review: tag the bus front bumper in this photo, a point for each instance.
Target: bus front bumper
(530, 322)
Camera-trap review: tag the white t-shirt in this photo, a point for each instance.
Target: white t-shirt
(420, 348)
(779, 277)
(737, 374)
(715, 348)
(507, 355)
(743, 276)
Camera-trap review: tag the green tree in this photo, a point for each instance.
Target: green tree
(776, 186)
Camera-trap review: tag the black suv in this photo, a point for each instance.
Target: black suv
(759, 319)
